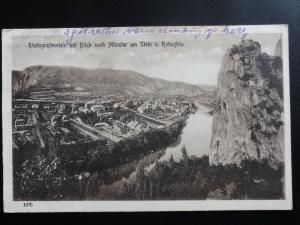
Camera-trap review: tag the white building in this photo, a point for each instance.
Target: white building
(83, 109)
(61, 108)
(143, 108)
(98, 108)
(35, 106)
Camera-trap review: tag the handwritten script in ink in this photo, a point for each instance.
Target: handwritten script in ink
(197, 32)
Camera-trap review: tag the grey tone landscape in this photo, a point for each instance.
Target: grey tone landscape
(112, 134)
(101, 81)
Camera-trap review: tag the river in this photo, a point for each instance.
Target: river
(195, 136)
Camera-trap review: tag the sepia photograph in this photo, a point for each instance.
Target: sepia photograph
(127, 119)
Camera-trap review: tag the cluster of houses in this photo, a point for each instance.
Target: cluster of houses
(163, 109)
(150, 113)
(93, 106)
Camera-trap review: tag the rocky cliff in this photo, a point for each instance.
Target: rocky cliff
(278, 48)
(248, 114)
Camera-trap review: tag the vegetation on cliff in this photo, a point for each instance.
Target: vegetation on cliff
(248, 114)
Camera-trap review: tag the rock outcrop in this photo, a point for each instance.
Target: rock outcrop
(21, 80)
(278, 48)
(248, 113)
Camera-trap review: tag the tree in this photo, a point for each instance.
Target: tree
(185, 156)
(140, 177)
(171, 162)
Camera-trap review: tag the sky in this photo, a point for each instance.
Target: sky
(198, 62)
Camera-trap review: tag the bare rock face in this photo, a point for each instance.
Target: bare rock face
(248, 114)
(278, 48)
(21, 80)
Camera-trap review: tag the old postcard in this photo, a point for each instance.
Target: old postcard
(146, 119)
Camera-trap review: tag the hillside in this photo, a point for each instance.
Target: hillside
(102, 81)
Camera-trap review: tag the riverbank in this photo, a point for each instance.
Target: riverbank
(92, 171)
(191, 134)
(80, 171)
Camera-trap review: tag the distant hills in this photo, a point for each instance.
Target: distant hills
(102, 81)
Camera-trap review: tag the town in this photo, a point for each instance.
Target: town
(46, 118)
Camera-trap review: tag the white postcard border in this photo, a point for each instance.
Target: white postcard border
(111, 206)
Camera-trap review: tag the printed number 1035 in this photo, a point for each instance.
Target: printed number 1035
(27, 204)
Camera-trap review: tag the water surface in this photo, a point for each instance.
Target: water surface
(195, 136)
